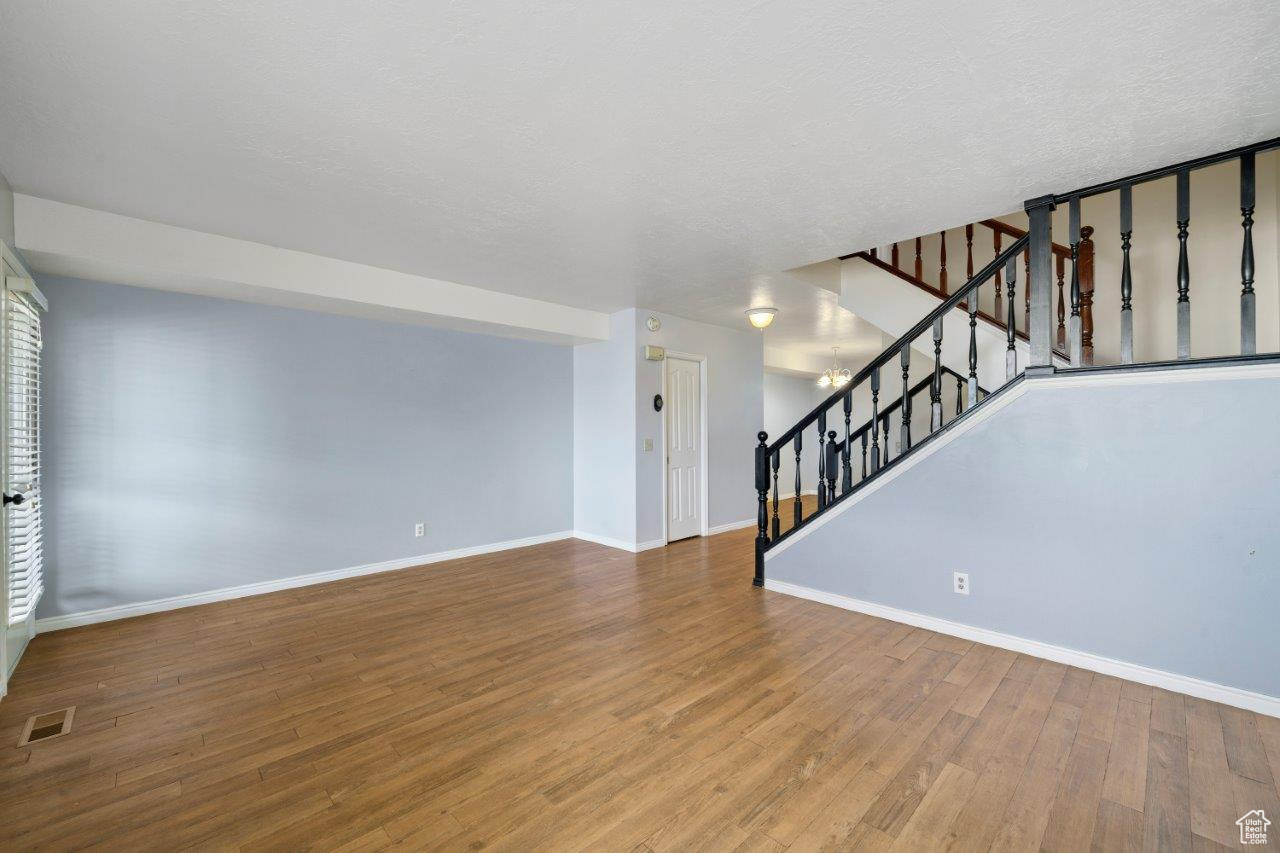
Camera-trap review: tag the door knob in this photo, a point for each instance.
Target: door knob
(16, 498)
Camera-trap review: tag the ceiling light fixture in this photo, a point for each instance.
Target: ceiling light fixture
(834, 376)
(761, 317)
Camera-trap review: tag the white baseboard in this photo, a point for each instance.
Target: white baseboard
(622, 544)
(1262, 704)
(733, 525)
(124, 611)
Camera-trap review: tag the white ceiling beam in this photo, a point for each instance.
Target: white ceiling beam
(64, 239)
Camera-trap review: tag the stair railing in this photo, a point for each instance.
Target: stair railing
(1080, 343)
(836, 477)
(1080, 259)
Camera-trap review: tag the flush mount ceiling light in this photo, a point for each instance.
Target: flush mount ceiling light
(761, 317)
(834, 376)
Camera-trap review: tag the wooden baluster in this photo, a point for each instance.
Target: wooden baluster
(875, 420)
(822, 460)
(1011, 353)
(796, 509)
(762, 515)
(894, 255)
(1086, 294)
(884, 431)
(1026, 316)
(904, 441)
(942, 262)
(777, 525)
(959, 395)
(968, 247)
(847, 482)
(1126, 275)
(864, 454)
(1248, 315)
(1184, 266)
(919, 262)
(1062, 303)
(833, 465)
(935, 387)
(973, 348)
(995, 239)
(1075, 344)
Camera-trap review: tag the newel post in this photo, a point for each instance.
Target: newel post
(1040, 331)
(762, 490)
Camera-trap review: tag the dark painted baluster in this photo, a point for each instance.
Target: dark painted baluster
(1074, 342)
(822, 459)
(1011, 354)
(968, 248)
(1184, 265)
(1126, 276)
(959, 395)
(864, 454)
(904, 441)
(894, 256)
(1062, 304)
(973, 347)
(762, 490)
(942, 261)
(995, 240)
(884, 430)
(1086, 295)
(935, 387)
(875, 420)
(919, 262)
(833, 465)
(847, 482)
(777, 525)
(1248, 316)
(796, 508)
(1026, 317)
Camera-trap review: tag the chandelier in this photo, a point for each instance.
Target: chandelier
(835, 376)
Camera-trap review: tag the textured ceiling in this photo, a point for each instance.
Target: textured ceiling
(671, 155)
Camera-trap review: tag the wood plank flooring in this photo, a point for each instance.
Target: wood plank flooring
(569, 696)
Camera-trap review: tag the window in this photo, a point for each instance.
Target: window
(24, 545)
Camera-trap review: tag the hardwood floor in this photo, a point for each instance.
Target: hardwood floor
(569, 696)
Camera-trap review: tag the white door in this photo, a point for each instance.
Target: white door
(21, 533)
(683, 412)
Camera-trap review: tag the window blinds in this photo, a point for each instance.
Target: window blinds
(24, 532)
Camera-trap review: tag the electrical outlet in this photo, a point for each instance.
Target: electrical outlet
(420, 529)
(960, 581)
(648, 445)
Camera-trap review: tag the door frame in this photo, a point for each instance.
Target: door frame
(703, 497)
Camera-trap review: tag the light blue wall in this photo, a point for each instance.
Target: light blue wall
(195, 443)
(1138, 523)
(604, 427)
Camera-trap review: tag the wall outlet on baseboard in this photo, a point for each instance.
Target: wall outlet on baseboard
(420, 529)
(960, 581)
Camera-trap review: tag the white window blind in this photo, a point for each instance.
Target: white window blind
(24, 541)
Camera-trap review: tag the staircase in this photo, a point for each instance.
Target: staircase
(1038, 296)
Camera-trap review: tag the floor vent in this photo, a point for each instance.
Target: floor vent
(47, 726)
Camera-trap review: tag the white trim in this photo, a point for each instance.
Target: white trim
(124, 611)
(733, 525)
(1049, 382)
(621, 544)
(703, 462)
(1258, 702)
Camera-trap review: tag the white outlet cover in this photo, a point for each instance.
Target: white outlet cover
(960, 582)
(419, 529)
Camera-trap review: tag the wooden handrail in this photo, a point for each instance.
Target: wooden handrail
(1014, 231)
